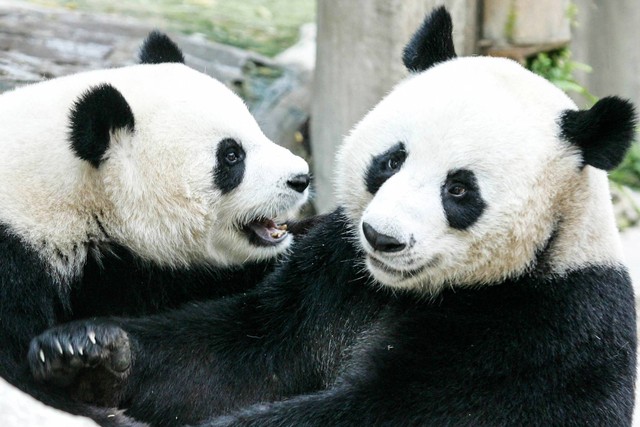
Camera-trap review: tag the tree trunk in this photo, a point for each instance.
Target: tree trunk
(606, 38)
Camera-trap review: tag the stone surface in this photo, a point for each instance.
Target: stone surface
(21, 410)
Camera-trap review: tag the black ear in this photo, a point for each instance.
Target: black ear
(603, 133)
(158, 48)
(432, 43)
(94, 116)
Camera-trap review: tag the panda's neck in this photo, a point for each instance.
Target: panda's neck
(586, 232)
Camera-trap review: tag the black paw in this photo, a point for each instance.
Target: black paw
(59, 354)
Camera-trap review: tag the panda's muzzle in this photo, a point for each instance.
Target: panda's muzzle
(265, 232)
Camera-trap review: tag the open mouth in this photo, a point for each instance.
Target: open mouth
(265, 232)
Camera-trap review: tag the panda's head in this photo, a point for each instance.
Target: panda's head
(178, 169)
(474, 170)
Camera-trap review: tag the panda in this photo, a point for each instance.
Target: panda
(471, 276)
(131, 190)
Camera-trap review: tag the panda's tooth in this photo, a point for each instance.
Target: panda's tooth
(92, 337)
(282, 227)
(275, 235)
(41, 354)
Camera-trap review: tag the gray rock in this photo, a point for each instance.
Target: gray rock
(18, 409)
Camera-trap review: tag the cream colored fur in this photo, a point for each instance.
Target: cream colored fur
(495, 118)
(155, 191)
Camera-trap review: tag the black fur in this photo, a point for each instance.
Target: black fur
(327, 348)
(229, 173)
(603, 133)
(431, 44)
(94, 116)
(158, 48)
(384, 166)
(119, 282)
(462, 210)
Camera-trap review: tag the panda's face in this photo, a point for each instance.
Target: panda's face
(197, 180)
(455, 176)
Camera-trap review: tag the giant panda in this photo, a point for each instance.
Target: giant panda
(471, 276)
(131, 190)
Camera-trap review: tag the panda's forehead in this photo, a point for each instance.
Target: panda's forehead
(212, 108)
(462, 113)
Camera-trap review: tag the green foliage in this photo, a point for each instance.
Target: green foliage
(264, 26)
(510, 24)
(572, 14)
(628, 173)
(558, 67)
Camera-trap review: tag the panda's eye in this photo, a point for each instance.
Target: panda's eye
(229, 168)
(231, 157)
(457, 190)
(384, 166)
(395, 160)
(394, 163)
(461, 198)
(229, 152)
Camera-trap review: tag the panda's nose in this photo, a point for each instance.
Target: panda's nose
(381, 242)
(299, 182)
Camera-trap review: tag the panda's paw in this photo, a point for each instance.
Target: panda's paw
(59, 354)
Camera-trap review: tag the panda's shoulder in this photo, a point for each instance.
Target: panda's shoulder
(329, 240)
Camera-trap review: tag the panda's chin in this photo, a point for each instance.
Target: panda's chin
(394, 277)
(266, 232)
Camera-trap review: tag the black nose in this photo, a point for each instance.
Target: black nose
(299, 182)
(381, 242)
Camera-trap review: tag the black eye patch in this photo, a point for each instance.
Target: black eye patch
(461, 199)
(384, 166)
(229, 169)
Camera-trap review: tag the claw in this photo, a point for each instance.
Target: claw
(59, 347)
(41, 354)
(92, 337)
(70, 347)
(80, 351)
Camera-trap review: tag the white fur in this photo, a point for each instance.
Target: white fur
(495, 118)
(155, 192)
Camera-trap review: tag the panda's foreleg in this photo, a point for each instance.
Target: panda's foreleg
(223, 352)
(89, 356)
(345, 405)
